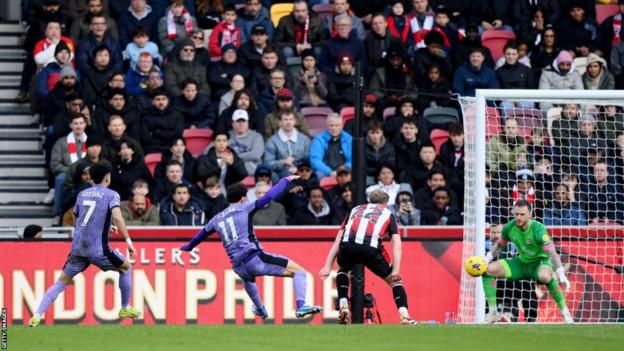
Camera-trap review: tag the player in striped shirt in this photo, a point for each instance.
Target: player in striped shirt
(359, 241)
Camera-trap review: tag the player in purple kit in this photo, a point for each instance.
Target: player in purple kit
(95, 207)
(235, 228)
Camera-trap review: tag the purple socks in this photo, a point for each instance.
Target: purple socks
(50, 296)
(252, 291)
(125, 285)
(300, 288)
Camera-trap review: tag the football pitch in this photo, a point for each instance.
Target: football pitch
(317, 337)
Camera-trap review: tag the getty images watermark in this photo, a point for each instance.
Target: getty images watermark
(4, 328)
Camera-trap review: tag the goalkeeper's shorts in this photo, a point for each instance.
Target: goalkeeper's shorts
(515, 269)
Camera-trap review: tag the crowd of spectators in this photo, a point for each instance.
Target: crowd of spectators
(121, 79)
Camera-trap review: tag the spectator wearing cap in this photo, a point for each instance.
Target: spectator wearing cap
(54, 103)
(597, 76)
(342, 10)
(95, 82)
(221, 73)
(266, 100)
(194, 106)
(561, 74)
(226, 32)
(272, 213)
(432, 54)
(160, 124)
(331, 148)
(343, 177)
(261, 75)
(139, 211)
(286, 147)
(222, 161)
(141, 44)
(138, 14)
(393, 81)
(309, 83)
(253, 14)
(300, 30)
(184, 66)
(180, 209)
(128, 167)
(137, 76)
(50, 74)
(176, 25)
(370, 112)
(297, 195)
(246, 143)
(341, 84)
(474, 75)
(80, 25)
(581, 32)
(284, 103)
(316, 212)
(117, 104)
(379, 39)
(251, 51)
(262, 174)
(345, 41)
(66, 151)
(32, 231)
(97, 36)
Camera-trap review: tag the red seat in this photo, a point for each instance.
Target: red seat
(347, 113)
(152, 160)
(316, 118)
(493, 122)
(249, 181)
(605, 11)
(528, 119)
(328, 182)
(495, 40)
(389, 112)
(323, 10)
(439, 137)
(197, 140)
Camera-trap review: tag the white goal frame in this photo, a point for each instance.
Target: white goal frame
(480, 193)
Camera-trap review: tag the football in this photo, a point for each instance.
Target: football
(475, 266)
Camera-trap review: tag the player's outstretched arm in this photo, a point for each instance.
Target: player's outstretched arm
(121, 227)
(275, 191)
(556, 261)
(494, 251)
(198, 238)
(397, 252)
(331, 256)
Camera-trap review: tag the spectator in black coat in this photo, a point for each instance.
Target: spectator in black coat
(298, 189)
(88, 45)
(316, 212)
(405, 110)
(221, 73)
(54, 103)
(610, 33)
(160, 124)
(250, 53)
(452, 157)
(127, 168)
(514, 75)
(243, 100)
(222, 161)
(177, 151)
(524, 14)
(444, 212)
(261, 75)
(138, 14)
(341, 84)
(343, 204)
(378, 150)
(345, 41)
(407, 147)
(194, 106)
(434, 89)
(432, 54)
(95, 82)
(117, 105)
(370, 112)
(393, 82)
(377, 41)
(116, 133)
(179, 209)
(210, 196)
(492, 15)
(473, 40)
(589, 6)
(581, 33)
(417, 176)
(163, 186)
(545, 53)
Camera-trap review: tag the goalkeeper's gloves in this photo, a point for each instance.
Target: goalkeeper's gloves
(562, 278)
(488, 257)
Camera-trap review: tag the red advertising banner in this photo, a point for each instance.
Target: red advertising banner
(176, 287)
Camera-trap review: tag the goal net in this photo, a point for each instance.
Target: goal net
(563, 151)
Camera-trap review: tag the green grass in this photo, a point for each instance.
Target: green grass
(318, 337)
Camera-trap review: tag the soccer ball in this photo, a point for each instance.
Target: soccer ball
(475, 266)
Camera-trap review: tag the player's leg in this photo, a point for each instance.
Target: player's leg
(249, 281)
(509, 269)
(73, 266)
(117, 262)
(545, 276)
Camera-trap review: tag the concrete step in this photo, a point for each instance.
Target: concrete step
(14, 220)
(33, 169)
(23, 182)
(10, 39)
(20, 128)
(17, 121)
(22, 194)
(8, 92)
(27, 208)
(14, 108)
(9, 159)
(12, 27)
(30, 145)
(11, 65)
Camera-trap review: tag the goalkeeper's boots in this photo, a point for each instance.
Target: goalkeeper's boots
(34, 322)
(492, 317)
(260, 312)
(306, 310)
(343, 315)
(408, 320)
(130, 312)
(567, 317)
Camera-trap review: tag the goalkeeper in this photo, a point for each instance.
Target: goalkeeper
(535, 260)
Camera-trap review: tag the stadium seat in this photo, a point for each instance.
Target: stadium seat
(316, 117)
(328, 182)
(389, 112)
(605, 11)
(552, 115)
(347, 113)
(528, 119)
(438, 137)
(441, 117)
(280, 10)
(151, 160)
(580, 65)
(249, 181)
(493, 122)
(323, 10)
(495, 40)
(197, 139)
(294, 65)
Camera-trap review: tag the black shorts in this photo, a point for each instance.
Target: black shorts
(372, 258)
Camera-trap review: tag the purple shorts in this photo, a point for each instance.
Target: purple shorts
(261, 263)
(76, 264)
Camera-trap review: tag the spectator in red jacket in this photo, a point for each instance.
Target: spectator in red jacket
(226, 32)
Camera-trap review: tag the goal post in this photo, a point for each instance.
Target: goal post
(532, 109)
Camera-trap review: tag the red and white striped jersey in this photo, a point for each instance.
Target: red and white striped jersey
(368, 224)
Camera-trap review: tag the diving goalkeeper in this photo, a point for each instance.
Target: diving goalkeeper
(536, 260)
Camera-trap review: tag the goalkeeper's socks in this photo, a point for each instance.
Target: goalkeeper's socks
(489, 288)
(555, 292)
(49, 297)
